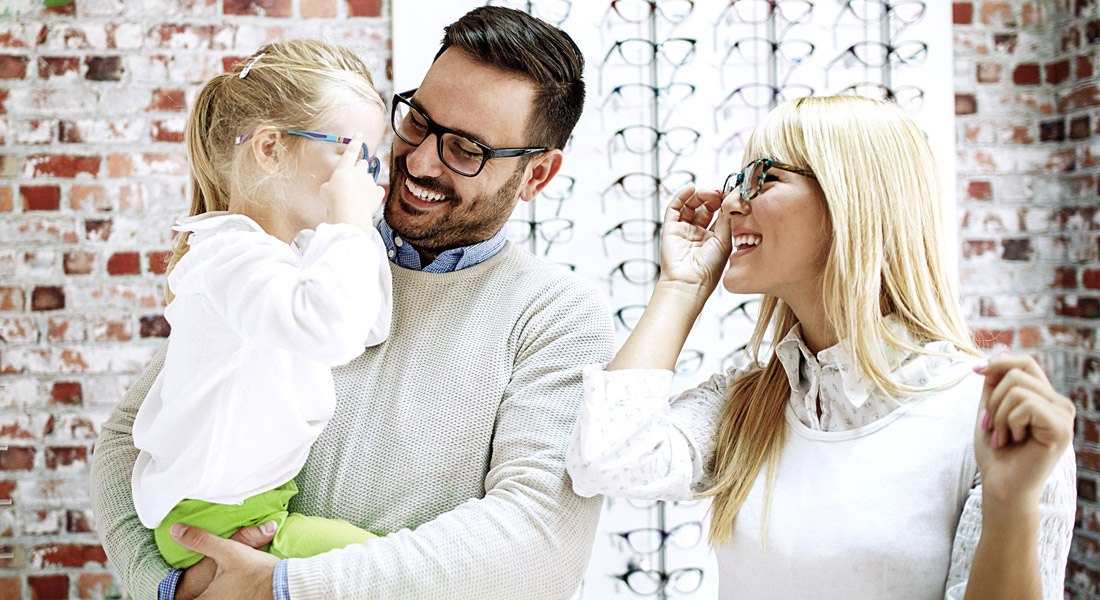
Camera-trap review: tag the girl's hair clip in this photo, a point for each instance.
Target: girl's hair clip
(252, 62)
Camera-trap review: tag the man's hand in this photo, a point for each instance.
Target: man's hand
(230, 565)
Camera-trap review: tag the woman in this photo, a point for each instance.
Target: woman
(873, 454)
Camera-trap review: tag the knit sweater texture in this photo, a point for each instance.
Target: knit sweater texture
(449, 439)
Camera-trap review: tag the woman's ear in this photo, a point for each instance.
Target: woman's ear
(266, 146)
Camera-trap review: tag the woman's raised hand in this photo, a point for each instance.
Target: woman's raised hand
(1024, 426)
(695, 240)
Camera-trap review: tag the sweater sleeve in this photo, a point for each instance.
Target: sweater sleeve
(323, 303)
(630, 442)
(129, 544)
(1057, 508)
(530, 536)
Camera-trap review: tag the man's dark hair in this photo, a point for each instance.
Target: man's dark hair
(515, 41)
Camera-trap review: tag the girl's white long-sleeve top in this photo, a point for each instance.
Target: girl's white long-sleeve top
(874, 498)
(257, 325)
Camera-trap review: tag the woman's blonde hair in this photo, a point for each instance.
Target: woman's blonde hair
(886, 256)
(293, 84)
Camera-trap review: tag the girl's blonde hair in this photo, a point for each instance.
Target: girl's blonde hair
(886, 256)
(293, 84)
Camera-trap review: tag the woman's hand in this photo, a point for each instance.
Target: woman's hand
(1023, 428)
(695, 240)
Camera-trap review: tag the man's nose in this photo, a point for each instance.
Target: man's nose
(423, 160)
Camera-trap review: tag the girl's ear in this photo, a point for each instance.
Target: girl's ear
(266, 146)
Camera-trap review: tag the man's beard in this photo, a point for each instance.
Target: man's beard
(454, 228)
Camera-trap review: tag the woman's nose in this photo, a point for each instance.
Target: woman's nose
(732, 204)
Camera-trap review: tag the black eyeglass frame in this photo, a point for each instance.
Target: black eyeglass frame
(487, 152)
(736, 180)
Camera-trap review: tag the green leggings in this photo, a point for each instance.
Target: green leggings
(298, 535)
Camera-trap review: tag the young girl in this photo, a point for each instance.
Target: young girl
(873, 454)
(278, 277)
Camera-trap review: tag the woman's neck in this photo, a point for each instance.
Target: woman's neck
(817, 333)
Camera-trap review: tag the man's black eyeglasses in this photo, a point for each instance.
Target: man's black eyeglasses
(458, 151)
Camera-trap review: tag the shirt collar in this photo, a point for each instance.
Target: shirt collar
(402, 254)
(802, 366)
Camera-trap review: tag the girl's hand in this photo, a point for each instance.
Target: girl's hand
(351, 193)
(1023, 428)
(695, 240)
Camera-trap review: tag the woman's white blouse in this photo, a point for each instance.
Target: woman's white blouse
(874, 498)
(257, 325)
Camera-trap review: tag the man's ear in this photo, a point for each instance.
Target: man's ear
(539, 172)
(266, 146)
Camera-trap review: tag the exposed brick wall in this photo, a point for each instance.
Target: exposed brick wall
(1028, 133)
(93, 100)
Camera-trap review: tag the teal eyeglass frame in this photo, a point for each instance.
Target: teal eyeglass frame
(748, 174)
(374, 166)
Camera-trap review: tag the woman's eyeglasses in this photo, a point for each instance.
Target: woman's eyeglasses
(373, 165)
(460, 153)
(650, 540)
(751, 179)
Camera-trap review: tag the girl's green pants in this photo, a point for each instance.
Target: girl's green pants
(298, 535)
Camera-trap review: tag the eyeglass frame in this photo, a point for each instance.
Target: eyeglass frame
(728, 188)
(374, 166)
(663, 534)
(665, 577)
(487, 152)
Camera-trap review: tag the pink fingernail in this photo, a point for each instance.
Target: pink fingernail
(994, 441)
(981, 368)
(985, 419)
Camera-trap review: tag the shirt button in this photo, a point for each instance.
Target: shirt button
(398, 241)
(391, 254)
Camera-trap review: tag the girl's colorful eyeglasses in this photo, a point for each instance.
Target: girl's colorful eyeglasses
(751, 179)
(373, 164)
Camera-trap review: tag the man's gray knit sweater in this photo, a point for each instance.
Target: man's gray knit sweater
(449, 438)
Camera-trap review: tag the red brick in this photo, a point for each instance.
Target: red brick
(11, 587)
(93, 586)
(997, 13)
(364, 8)
(60, 165)
(1079, 127)
(67, 555)
(965, 104)
(18, 329)
(65, 456)
(47, 297)
(78, 263)
(155, 326)
(979, 190)
(124, 263)
(228, 62)
(1030, 337)
(65, 329)
(104, 68)
(13, 67)
(962, 13)
(69, 132)
(168, 100)
(79, 521)
(12, 298)
(167, 131)
(1017, 249)
(50, 67)
(1065, 277)
(112, 329)
(6, 199)
(989, 72)
(1057, 72)
(158, 261)
(97, 230)
(988, 338)
(1005, 43)
(66, 392)
(48, 587)
(1090, 279)
(40, 197)
(317, 8)
(1026, 74)
(1083, 66)
(1081, 97)
(269, 8)
(68, 8)
(87, 197)
(17, 458)
(1052, 131)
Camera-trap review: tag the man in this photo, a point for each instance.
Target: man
(450, 437)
